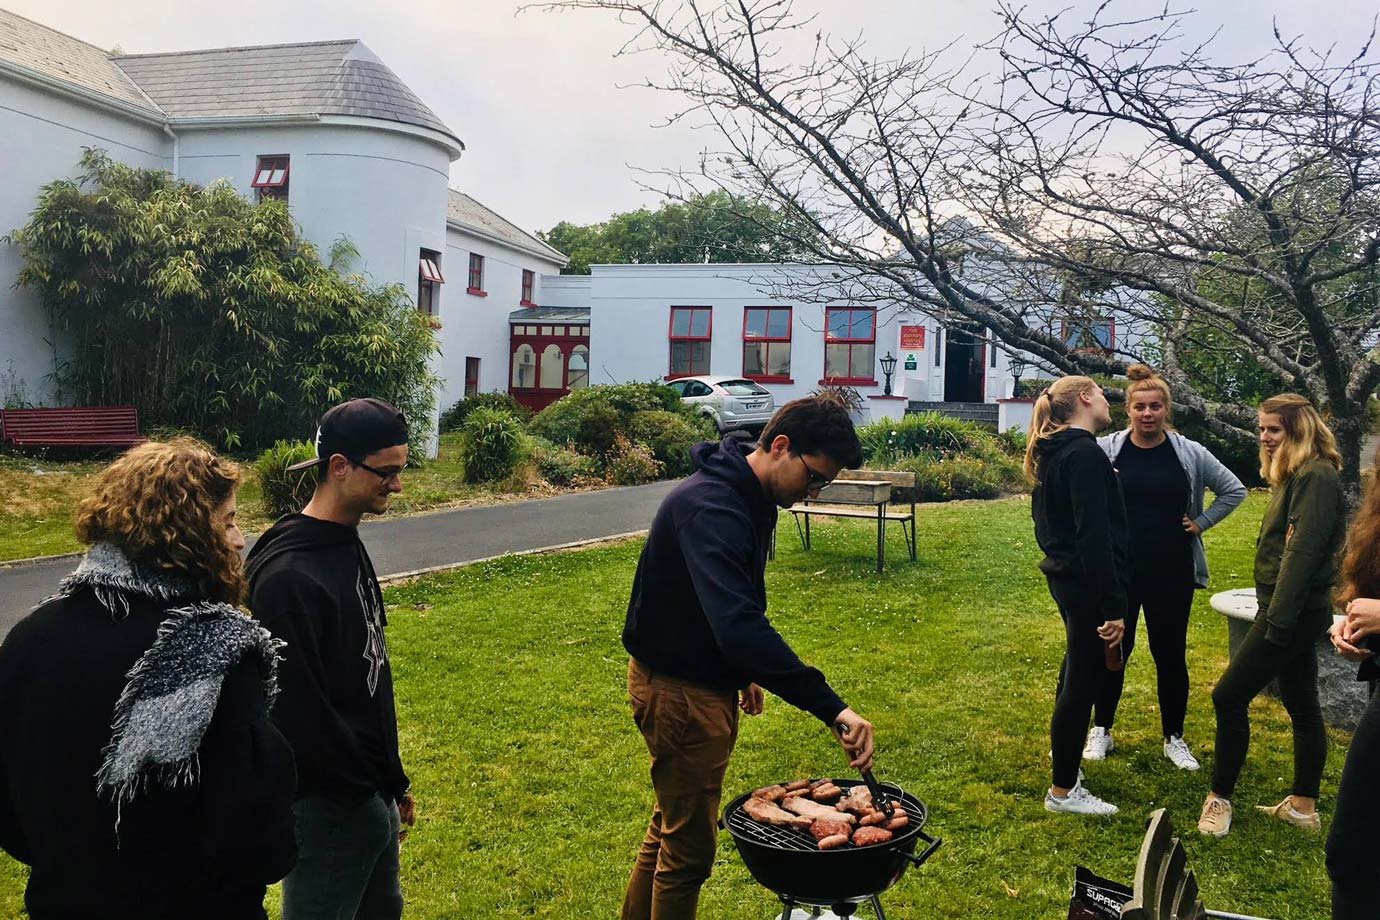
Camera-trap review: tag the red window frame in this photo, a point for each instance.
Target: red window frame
(429, 281)
(267, 181)
(471, 376)
(529, 285)
(1110, 322)
(476, 276)
(768, 340)
(850, 341)
(672, 339)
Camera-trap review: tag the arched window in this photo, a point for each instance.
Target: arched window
(524, 368)
(578, 374)
(552, 368)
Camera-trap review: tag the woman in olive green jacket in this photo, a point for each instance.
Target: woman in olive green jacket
(1295, 568)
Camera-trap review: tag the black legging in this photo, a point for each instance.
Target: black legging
(1167, 600)
(1080, 678)
(1351, 843)
(1256, 663)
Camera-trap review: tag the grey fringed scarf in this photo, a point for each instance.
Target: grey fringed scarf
(173, 688)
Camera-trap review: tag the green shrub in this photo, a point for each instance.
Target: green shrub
(591, 417)
(491, 445)
(562, 421)
(962, 477)
(564, 466)
(453, 419)
(929, 435)
(1012, 442)
(631, 464)
(285, 492)
(210, 312)
(670, 436)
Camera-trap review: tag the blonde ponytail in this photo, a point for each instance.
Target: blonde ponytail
(1051, 414)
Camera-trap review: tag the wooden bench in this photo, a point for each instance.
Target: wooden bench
(863, 494)
(79, 426)
(1165, 887)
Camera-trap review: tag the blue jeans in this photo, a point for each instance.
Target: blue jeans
(347, 862)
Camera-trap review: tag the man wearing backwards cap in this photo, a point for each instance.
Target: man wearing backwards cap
(312, 585)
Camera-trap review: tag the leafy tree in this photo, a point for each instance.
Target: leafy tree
(715, 227)
(209, 312)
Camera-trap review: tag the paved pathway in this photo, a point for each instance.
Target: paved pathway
(406, 544)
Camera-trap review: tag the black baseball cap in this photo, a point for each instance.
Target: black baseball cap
(356, 429)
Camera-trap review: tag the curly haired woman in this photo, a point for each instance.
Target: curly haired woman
(139, 774)
(1356, 636)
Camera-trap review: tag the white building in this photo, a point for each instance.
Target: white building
(325, 125)
(357, 155)
(792, 328)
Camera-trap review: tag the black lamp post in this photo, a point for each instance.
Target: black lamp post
(1017, 366)
(888, 368)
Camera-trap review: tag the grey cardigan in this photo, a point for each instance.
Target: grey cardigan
(1204, 470)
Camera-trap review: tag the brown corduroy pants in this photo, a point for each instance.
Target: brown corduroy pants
(689, 732)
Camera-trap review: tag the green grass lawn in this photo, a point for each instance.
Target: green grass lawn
(41, 497)
(532, 781)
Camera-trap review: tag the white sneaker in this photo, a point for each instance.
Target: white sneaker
(1099, 744)
(1176, 749)
(1079, 801)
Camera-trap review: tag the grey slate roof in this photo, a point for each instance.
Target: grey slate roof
(314, 78)
(548, 314)
(62, 57)
(465, 210)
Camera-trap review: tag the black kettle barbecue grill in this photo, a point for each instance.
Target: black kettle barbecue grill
(789, 862)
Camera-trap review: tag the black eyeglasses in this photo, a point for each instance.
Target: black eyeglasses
(816, 481)
(385, 475)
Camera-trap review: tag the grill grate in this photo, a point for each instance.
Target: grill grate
(783, 838)
(789, 838)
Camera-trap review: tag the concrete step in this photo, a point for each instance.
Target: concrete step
(985, 413)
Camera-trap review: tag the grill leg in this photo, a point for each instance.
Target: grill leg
(877, 908)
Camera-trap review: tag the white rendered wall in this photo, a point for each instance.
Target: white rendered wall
(630, 318)
(41, 139)
(383, 190)
(477, 327)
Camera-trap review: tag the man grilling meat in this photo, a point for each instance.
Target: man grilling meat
(702, 647)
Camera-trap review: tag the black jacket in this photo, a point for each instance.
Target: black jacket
(313, 586)
(699, 598)
(206, 849)
(1080, 521)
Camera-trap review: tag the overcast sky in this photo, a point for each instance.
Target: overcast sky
(549, 135)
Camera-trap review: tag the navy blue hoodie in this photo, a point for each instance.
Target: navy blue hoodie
(699, 598)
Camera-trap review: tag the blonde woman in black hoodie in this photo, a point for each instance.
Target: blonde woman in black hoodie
(1080, 524)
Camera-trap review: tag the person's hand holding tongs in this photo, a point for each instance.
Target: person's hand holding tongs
(855, 734)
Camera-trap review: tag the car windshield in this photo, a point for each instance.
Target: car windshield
(741, 388)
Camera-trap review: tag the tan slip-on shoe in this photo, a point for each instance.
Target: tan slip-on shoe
(1284, 811)
(1215, 821)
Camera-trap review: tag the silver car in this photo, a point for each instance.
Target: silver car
(732, 403)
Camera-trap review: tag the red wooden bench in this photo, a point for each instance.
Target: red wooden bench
(78, 426)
